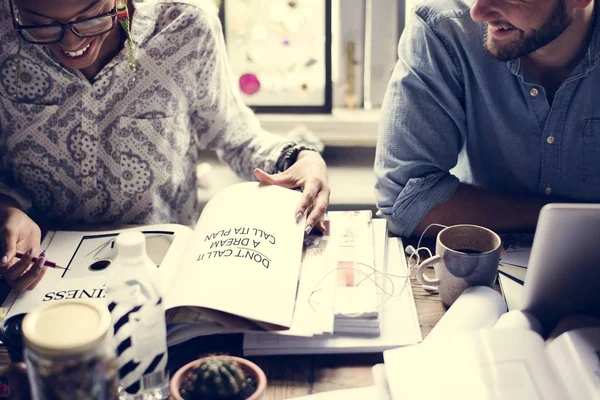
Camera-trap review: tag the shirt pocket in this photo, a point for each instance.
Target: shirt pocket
(591, 151)
(152, 156)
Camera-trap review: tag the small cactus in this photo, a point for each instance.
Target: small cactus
(215, 378)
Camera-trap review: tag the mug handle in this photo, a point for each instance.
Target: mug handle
(424, 280)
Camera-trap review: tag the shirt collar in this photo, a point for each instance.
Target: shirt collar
(144, 21)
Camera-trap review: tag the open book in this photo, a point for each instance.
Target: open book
(511, 364)
(237, 270)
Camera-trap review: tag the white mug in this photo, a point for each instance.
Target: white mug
(466, 255)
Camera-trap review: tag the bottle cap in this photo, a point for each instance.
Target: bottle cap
(66, 327)
(130, 245)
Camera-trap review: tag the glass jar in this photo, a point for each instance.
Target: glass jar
(69, 351)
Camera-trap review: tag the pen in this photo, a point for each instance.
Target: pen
(48, 263)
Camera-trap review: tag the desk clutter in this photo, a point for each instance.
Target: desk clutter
(353, 296)
(495, 355)
(541, 341)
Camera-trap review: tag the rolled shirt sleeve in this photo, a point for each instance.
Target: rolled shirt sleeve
(422, 128)
(223, 122)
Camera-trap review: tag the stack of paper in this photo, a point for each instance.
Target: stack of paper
(513, 267)
(357, 280)
(399, 325)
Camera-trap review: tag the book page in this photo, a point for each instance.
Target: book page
(487, 364)
(576, 357)
(86, 257)
(244, 258)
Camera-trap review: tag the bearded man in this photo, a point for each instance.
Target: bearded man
(493, 111)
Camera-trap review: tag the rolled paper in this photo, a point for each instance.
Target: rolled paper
(478, 307)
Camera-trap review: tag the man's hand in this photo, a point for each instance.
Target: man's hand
(309, 172)
(19, 233)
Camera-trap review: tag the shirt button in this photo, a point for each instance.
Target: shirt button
(550, 139)
(548, 190)
(88, 180)
(534, 92)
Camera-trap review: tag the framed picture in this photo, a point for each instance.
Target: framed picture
(280, 53)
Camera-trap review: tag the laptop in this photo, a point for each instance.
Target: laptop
(563, 274)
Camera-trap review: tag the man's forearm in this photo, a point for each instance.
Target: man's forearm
(500, 213)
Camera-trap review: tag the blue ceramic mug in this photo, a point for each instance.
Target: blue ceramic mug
(466, 255)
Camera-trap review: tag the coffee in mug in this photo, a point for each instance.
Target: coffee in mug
(466, 255)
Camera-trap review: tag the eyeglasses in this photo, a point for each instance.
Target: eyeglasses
(53, 33)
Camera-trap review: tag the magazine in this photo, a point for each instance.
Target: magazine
(236, 270)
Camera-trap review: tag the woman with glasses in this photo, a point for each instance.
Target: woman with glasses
(102, 109)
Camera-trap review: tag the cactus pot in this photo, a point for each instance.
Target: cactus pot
(251, 370)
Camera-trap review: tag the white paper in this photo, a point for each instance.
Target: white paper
(511, 291)
(399, 324)
(485, 364)
(244, 258)
(356, 285)
(476, 308)
(576, 355)
(381, 383)
(314, 307)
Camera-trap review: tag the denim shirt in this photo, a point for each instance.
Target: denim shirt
(454, 114)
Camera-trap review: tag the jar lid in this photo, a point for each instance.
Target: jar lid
(66, 327)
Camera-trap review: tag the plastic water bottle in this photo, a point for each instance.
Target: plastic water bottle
(138, 318)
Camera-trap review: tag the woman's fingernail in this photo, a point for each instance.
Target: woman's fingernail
(30, 252)
(43, 254)
(299, 216)
(4, 260)
(308, 229)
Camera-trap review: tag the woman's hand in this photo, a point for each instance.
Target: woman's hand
(309, 172)
(19, 233)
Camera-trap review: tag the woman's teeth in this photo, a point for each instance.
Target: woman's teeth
(77, 53)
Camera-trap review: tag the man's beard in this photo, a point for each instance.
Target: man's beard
(553, 27)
